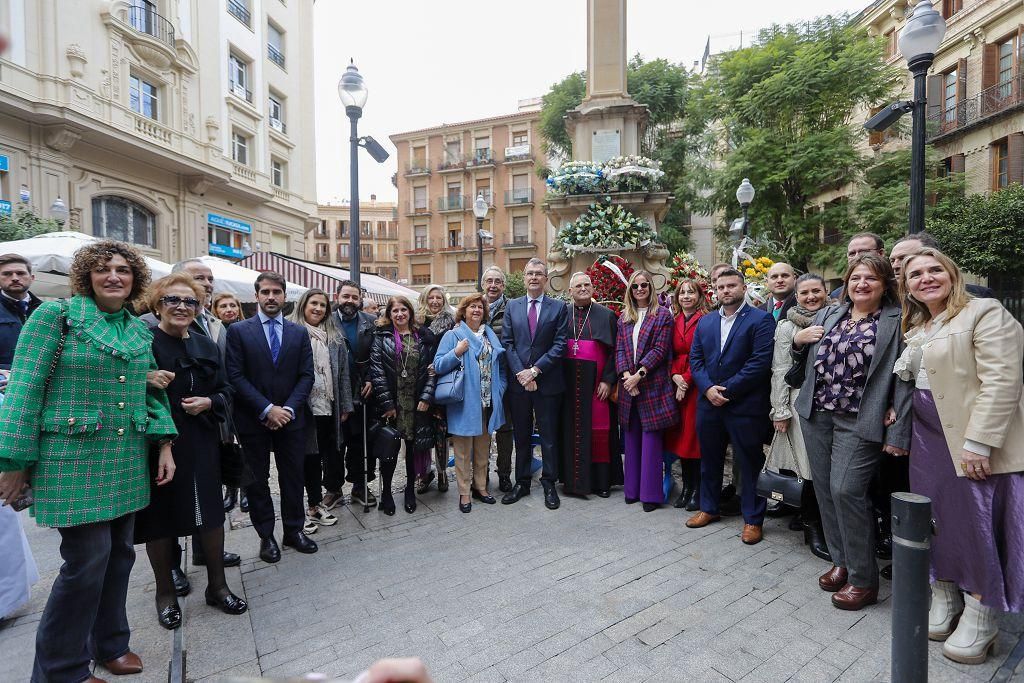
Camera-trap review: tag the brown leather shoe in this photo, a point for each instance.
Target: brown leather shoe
(701, 519)
(93, 679)
(751, 534)
(128, 663)
(833, 579)
(852, 598)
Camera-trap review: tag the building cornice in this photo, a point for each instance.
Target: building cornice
(448, 127)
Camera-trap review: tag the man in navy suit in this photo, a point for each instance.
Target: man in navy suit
(270, 366)
(533, 333)
(731, 362)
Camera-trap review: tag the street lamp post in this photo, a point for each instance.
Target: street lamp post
(59, 211)
(919, 42)
(352, 92)
(480, 211)
(745, 195)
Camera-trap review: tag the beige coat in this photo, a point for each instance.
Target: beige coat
(974, 369)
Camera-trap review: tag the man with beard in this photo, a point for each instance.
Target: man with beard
(590, 448)
(270, 412)
(16, 304)
(494, 294)
(356, 328)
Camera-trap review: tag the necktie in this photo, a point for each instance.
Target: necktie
(203, 324)
(275, 343)
(777, 309)
(24, 308)
(532, 317)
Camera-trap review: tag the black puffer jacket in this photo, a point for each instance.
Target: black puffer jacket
(384, 368)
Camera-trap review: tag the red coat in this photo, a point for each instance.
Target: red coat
(682, 439)
(655, 403)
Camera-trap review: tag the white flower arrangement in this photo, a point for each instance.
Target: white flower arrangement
(604, 226)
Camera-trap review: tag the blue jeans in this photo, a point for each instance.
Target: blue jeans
(85, 616)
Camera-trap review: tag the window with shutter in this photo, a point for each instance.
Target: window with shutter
(1000, 164)
(467, 271)
(421, 273)
(517, 265)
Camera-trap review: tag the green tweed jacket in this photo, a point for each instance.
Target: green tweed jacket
(85, 441)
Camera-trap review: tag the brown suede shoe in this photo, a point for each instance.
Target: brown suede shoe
(833, 579)
(751, 534)
(701, 519)
(852, 598)
(128, 663)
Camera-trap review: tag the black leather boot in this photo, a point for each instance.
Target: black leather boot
(815, 538)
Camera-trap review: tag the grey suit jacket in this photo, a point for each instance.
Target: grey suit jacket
(881, 389)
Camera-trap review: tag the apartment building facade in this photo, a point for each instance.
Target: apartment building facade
(442, 170)
(172, 124)
(327, 241)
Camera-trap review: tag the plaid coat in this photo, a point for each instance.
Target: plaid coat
(656, 402)
(87, 441)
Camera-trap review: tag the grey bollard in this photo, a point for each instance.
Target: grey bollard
(911, 591)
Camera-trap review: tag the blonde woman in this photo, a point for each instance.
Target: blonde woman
(438, 316)
(963, 357)
(227, 308)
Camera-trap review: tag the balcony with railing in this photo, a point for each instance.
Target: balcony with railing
(417, 208)
(278, 125)
(144, 18)
(454, 242)
(519, 240)
(451, 203)
(452, 163)
(417, 245)
(481, 158)
(240, 91)
(417, 167)
(518, 154)
(275, 55)
(239, 10)
(989, 104)
(519, 197)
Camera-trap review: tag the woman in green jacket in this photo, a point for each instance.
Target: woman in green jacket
(77, 424)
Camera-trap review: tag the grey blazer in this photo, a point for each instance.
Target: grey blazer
(881, 390)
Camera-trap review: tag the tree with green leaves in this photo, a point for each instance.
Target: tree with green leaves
(783, 110)
(24, 223)
(984, 234)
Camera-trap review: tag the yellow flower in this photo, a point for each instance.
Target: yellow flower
(750, 272)
(746, 262)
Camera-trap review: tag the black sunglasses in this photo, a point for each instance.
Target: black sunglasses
(174, 301)
(639, 285)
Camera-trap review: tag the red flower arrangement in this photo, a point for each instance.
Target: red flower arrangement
(609, 288)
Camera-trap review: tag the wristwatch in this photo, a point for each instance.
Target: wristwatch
(642, 372)
(535, 372)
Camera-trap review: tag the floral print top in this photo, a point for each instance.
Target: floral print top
(406, 394)
(484, 360)
(841, 366)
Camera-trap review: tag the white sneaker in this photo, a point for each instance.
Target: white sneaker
(947, 606)
(974, 635)
(322, 517)
(309, 527)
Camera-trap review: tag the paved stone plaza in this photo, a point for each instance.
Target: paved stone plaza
(597, 590)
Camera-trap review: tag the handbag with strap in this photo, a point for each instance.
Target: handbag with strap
(774, 485)
(794, 377)
(451, 386)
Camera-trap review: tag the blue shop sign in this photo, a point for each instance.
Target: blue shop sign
(5, 208)
(229, 223)
(224, 250)
(5, 164)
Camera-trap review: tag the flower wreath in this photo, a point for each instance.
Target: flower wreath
(610, 275)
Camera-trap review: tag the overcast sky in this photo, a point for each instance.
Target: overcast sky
(428, 62)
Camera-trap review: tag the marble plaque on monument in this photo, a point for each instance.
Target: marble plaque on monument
(605, 145)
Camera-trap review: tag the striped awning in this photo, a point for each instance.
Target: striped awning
(327, 278)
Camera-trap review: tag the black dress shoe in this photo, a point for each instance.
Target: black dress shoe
(684, 496)
(486, 500)
(551, 501)
(243, 501)
(886, 572)
(693, 504)
(230, 498)
(230, 559)
(466, 507)
(182, 587)
(386, 503)
(228, 604)
(815, 538)
(270, 552)
(883, 549)
(410, 499)
(169, 616)
(518, 491)
(301, 542)
(504, 483)
(651, 507)
(603, 493)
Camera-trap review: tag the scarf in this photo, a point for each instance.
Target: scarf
(323, 381)
(800, 316)
(443, 322)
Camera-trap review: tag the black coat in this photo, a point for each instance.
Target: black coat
(364, 341)
(383, 372)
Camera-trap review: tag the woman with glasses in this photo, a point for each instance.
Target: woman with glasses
(646, 399)
(200, 398)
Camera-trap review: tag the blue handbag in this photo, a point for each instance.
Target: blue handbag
(451, 386)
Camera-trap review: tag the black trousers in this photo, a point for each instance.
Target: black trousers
(528, 408)
(504, 439)
(289, 453)
(356, 465)
(318, 465)
(85, 616)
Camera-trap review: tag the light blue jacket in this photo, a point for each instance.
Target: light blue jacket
(465, 418)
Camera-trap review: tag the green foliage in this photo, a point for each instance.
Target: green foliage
(784, 107)
(24, 224)
(563, 96)
(515, 286)
(984, 234)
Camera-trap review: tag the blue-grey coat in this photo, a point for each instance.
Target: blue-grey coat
(466, 417)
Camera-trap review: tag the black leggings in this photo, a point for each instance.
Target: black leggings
(317, 463)
(387, 473)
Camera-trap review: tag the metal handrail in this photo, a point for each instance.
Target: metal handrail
(239, 11)
(275, 55)
(144, 19)
(1000, 98)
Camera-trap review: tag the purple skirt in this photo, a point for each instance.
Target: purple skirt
(979, 525)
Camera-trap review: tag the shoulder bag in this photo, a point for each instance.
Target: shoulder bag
(451, 386)
(783, 488)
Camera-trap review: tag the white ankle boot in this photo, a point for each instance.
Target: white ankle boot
(947, 605)
(974, 635)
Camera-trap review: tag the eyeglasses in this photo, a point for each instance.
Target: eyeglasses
(639, 285)
(174, 301)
